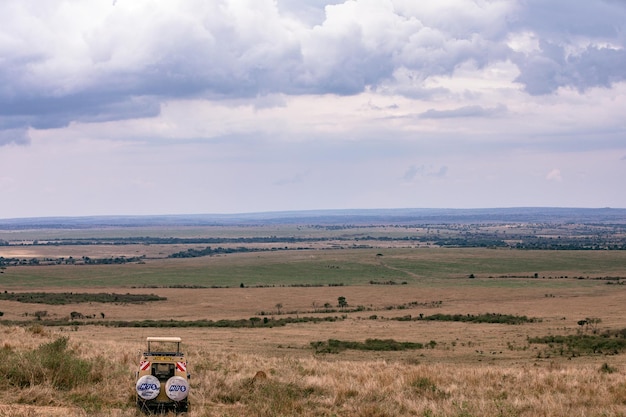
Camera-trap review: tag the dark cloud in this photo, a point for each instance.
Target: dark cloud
(581, 45)
(565, 20)
(218, 50)
(551, 68)
(45, 112)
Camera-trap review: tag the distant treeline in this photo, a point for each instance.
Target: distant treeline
(585, 238)
(146, 240)
(241, 323)
(208, 251)
(470, 242)
(63, 298)
(379, 345)
(85, 260)
(253, 322)
(572, 243)
(492, 318)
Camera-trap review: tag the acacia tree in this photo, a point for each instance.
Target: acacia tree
(342, 303)
(590, 323)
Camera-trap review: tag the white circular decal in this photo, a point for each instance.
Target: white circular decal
(177, 388)
(148, 387)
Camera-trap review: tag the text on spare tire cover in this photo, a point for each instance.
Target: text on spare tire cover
(175, 388)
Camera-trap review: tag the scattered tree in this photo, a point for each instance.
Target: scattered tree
(590, 323)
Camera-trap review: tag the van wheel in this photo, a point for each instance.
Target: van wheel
(183, 407)
(143, 407)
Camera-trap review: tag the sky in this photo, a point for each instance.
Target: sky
(133, 107)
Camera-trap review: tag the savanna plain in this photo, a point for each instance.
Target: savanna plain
(371, 321)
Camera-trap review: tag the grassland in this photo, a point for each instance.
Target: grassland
(449, 368)
(433, 266)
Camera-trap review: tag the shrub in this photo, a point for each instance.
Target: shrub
(607, 369)
(575, 345)
(51, 363)
(493, 318)
(269, 398)
(336, 346)
(73, 298)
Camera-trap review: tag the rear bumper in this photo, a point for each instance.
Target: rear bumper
(151, 406)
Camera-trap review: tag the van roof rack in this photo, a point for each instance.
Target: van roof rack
(163, 339)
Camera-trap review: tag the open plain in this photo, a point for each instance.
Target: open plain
(479, 321)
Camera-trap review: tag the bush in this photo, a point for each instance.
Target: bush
(607, 369)
(609, 343)
(73, 298)
(51, 363)
(492, 318)
(274, 398)
(336, 346)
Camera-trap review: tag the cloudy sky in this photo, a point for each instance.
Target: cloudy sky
(237, 106)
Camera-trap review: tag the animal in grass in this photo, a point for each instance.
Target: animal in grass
(74, 315)
(260, 375)
(258, 378)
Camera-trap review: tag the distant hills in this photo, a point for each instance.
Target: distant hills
(330, 217)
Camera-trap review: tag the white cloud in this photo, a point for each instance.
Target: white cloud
(524, 42)
(554, 175)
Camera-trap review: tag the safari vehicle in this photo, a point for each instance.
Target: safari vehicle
(162, 379)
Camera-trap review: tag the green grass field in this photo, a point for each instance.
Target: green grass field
(333, 267)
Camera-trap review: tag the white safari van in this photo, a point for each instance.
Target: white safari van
(162, 378)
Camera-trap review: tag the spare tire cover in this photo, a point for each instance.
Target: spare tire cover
(148, 387)
(177, 388)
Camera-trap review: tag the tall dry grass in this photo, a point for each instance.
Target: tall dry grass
(322, 387)
(224, 384)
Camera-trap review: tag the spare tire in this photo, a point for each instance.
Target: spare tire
(177, 388)
(148, 387)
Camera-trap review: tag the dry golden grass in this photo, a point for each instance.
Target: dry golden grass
(352, 385)
(474, 369)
